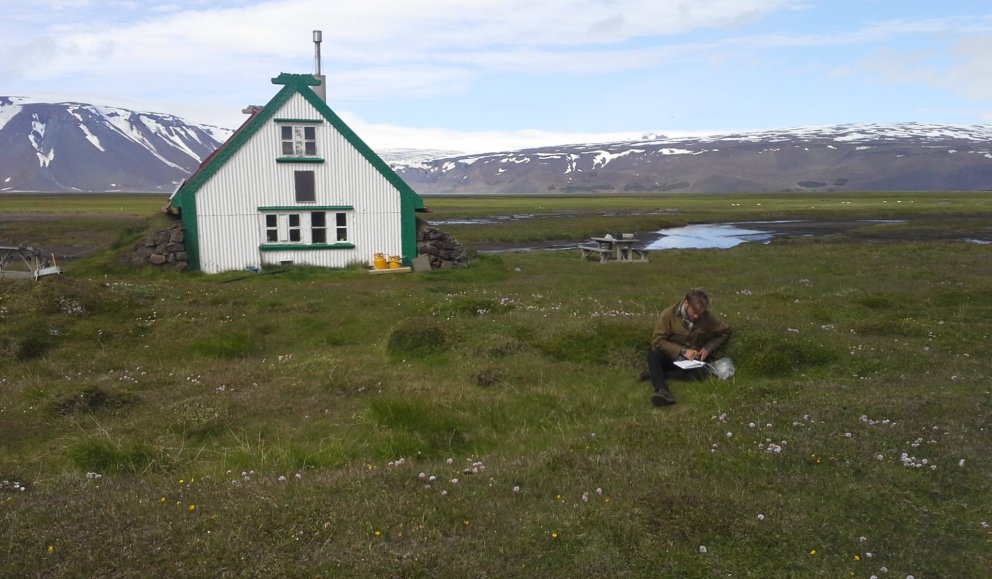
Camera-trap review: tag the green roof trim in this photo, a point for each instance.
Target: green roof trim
(191, 236)
(314, 160)
(306, 208)
(304, 247)
(185, 196)
(286, 78)
(298, 121)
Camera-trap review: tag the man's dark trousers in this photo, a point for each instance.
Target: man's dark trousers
(661, 366)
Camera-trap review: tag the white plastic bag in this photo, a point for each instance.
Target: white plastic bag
(724, 368)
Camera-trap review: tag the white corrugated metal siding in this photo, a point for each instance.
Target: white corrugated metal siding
(231, 228)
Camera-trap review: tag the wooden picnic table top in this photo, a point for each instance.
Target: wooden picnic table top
(613, 240)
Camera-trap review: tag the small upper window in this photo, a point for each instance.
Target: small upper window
(298, 141)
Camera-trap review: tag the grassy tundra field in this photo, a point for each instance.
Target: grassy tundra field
(488, 421)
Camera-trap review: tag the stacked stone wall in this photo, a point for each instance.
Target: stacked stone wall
(164, 248)
(440, 247)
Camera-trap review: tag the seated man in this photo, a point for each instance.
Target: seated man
(685, 331)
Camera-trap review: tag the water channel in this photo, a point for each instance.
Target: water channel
(700, 236)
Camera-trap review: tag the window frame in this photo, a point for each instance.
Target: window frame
(294, 232)
(298, 140)
(318, 230)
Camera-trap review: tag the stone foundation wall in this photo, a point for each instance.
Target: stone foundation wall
(164, 248)
(441, 248)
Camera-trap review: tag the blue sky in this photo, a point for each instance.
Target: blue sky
(487, 75)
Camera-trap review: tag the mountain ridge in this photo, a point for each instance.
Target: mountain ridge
(845, 157)
(77, 147)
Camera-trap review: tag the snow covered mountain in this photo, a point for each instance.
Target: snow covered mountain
(864, 157)
(75, 147)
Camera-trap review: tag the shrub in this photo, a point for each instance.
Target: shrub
(225, 346)
(768, 354)
(426, 427)
(417, 337)
(91, 399)
(604, 342)
(34, 343)
(103, 456)
(473, 306)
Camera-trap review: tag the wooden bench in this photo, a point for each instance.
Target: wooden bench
(638, 255)
(603, 253)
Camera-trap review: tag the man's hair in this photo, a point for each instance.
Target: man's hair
(698, 299)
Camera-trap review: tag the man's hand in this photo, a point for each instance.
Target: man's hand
(690, 354)
(703, 354)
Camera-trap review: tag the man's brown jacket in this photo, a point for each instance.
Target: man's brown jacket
(672, 332)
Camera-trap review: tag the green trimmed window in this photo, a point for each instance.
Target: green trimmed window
(318, 227)
(341, 220)
(298, 140)
(294, 228)
(305, 227)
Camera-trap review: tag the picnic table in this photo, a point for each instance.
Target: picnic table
(614, 250)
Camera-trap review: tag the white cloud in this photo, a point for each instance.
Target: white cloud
(383, 136)
(203, 42)
(972, 72)
(205, 59)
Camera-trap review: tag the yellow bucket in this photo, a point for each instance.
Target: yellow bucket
(380, 261)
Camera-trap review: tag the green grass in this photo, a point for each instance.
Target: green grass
(278, 425)
(105, 204)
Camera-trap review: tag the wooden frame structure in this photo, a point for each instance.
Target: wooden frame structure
(27, 263)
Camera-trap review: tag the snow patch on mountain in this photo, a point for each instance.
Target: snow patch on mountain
(84, 147)
(852, 157)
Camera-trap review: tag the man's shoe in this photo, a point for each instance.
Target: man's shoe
(662, 398)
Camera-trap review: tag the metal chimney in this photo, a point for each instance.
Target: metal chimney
(320, 89)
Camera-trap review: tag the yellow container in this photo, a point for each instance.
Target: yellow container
(380, 261)
(395, 262)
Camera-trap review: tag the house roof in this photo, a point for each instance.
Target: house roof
(300, 84)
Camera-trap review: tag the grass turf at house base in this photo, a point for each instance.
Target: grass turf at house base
(489, 421)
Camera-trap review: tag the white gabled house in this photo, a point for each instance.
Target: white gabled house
(295, 185)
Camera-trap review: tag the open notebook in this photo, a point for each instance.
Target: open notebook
(690, 364)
